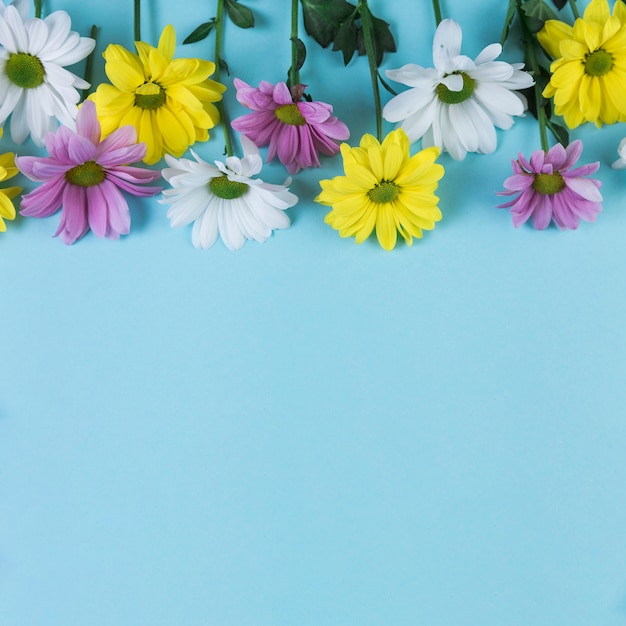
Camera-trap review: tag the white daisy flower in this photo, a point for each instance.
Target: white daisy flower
(620, 164)
(223, 199)
(458, 104)
(35, 89)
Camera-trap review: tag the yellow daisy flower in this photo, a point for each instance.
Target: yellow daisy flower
(386, 188)
(167, 100)
(7, 170)
(589, 72)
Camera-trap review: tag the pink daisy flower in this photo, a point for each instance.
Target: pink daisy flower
(548, 189)
(295, 130)
(83, 177)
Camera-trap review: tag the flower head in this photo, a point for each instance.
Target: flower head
(83, 176)
(620, 164)
(7, 170)
(223, 199)
(547, 188)
(384, 188)
(458, 104)
(35, 88)
(168, 101)
(296, 131)
(588, 79)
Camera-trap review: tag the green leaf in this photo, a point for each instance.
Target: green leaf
(323, 18)
(537, 12)
(559, 4)
(241, 15)
(224, 66)
(508, 20)
(383, 39)
(560, 133)
(301, 52)
(200, 33)
(346, 40)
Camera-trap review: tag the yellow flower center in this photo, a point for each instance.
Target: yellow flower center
(548, 184)
(227, 189)
(290, 114)
(385, 191)
(88, 174)
(149, 96)
(24, 70)
(456, 97)
(598, 63)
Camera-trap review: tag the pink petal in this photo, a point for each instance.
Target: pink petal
(315, 112)
(120, 138)
(97, 210)
(584, 188)
(119, 213)
(87, 123)
(281, 94)
(80, 149)
(542, 215)
(45, 200)
(121, 156)
(74, 212)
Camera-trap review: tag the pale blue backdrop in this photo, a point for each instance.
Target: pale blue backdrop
(309, 432)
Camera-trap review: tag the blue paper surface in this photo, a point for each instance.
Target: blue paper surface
(309, 431)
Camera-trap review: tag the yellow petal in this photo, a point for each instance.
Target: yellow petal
(361, 175)
(551, 35)
(375, 160)
(7, 210)
(386, 231)
(143, 49)
(394, 157)
(167, 42)
(597, 11)
(124, 76)
(173, 133)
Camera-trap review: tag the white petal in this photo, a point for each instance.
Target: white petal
(10, 100)
(447, 43)
(416, 126)
(414, 75)
(205, 230)
(491, 52)
(37, 36)
(408, 103)
(230, 231)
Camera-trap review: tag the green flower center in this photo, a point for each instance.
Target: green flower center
(24, 70)
(290, 114)
(598, 63)
(227, 189)
(149, 96)
(548, 184)
(385, 191)
(88, 174)
(456, 97)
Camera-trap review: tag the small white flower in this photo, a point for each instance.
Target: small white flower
(458, 104)
(223, 199)
(620, 164)
(35, 88)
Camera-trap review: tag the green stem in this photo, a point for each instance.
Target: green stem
(437, 9)
(93, 33)
(366, 23)
(219, 29)
(572, 4)
(38, 8)
(294, 73)
(137, 20)
(534, 66)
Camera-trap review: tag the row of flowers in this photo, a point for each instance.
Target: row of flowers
(157, 106)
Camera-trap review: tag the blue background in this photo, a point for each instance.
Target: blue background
(308, 431)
